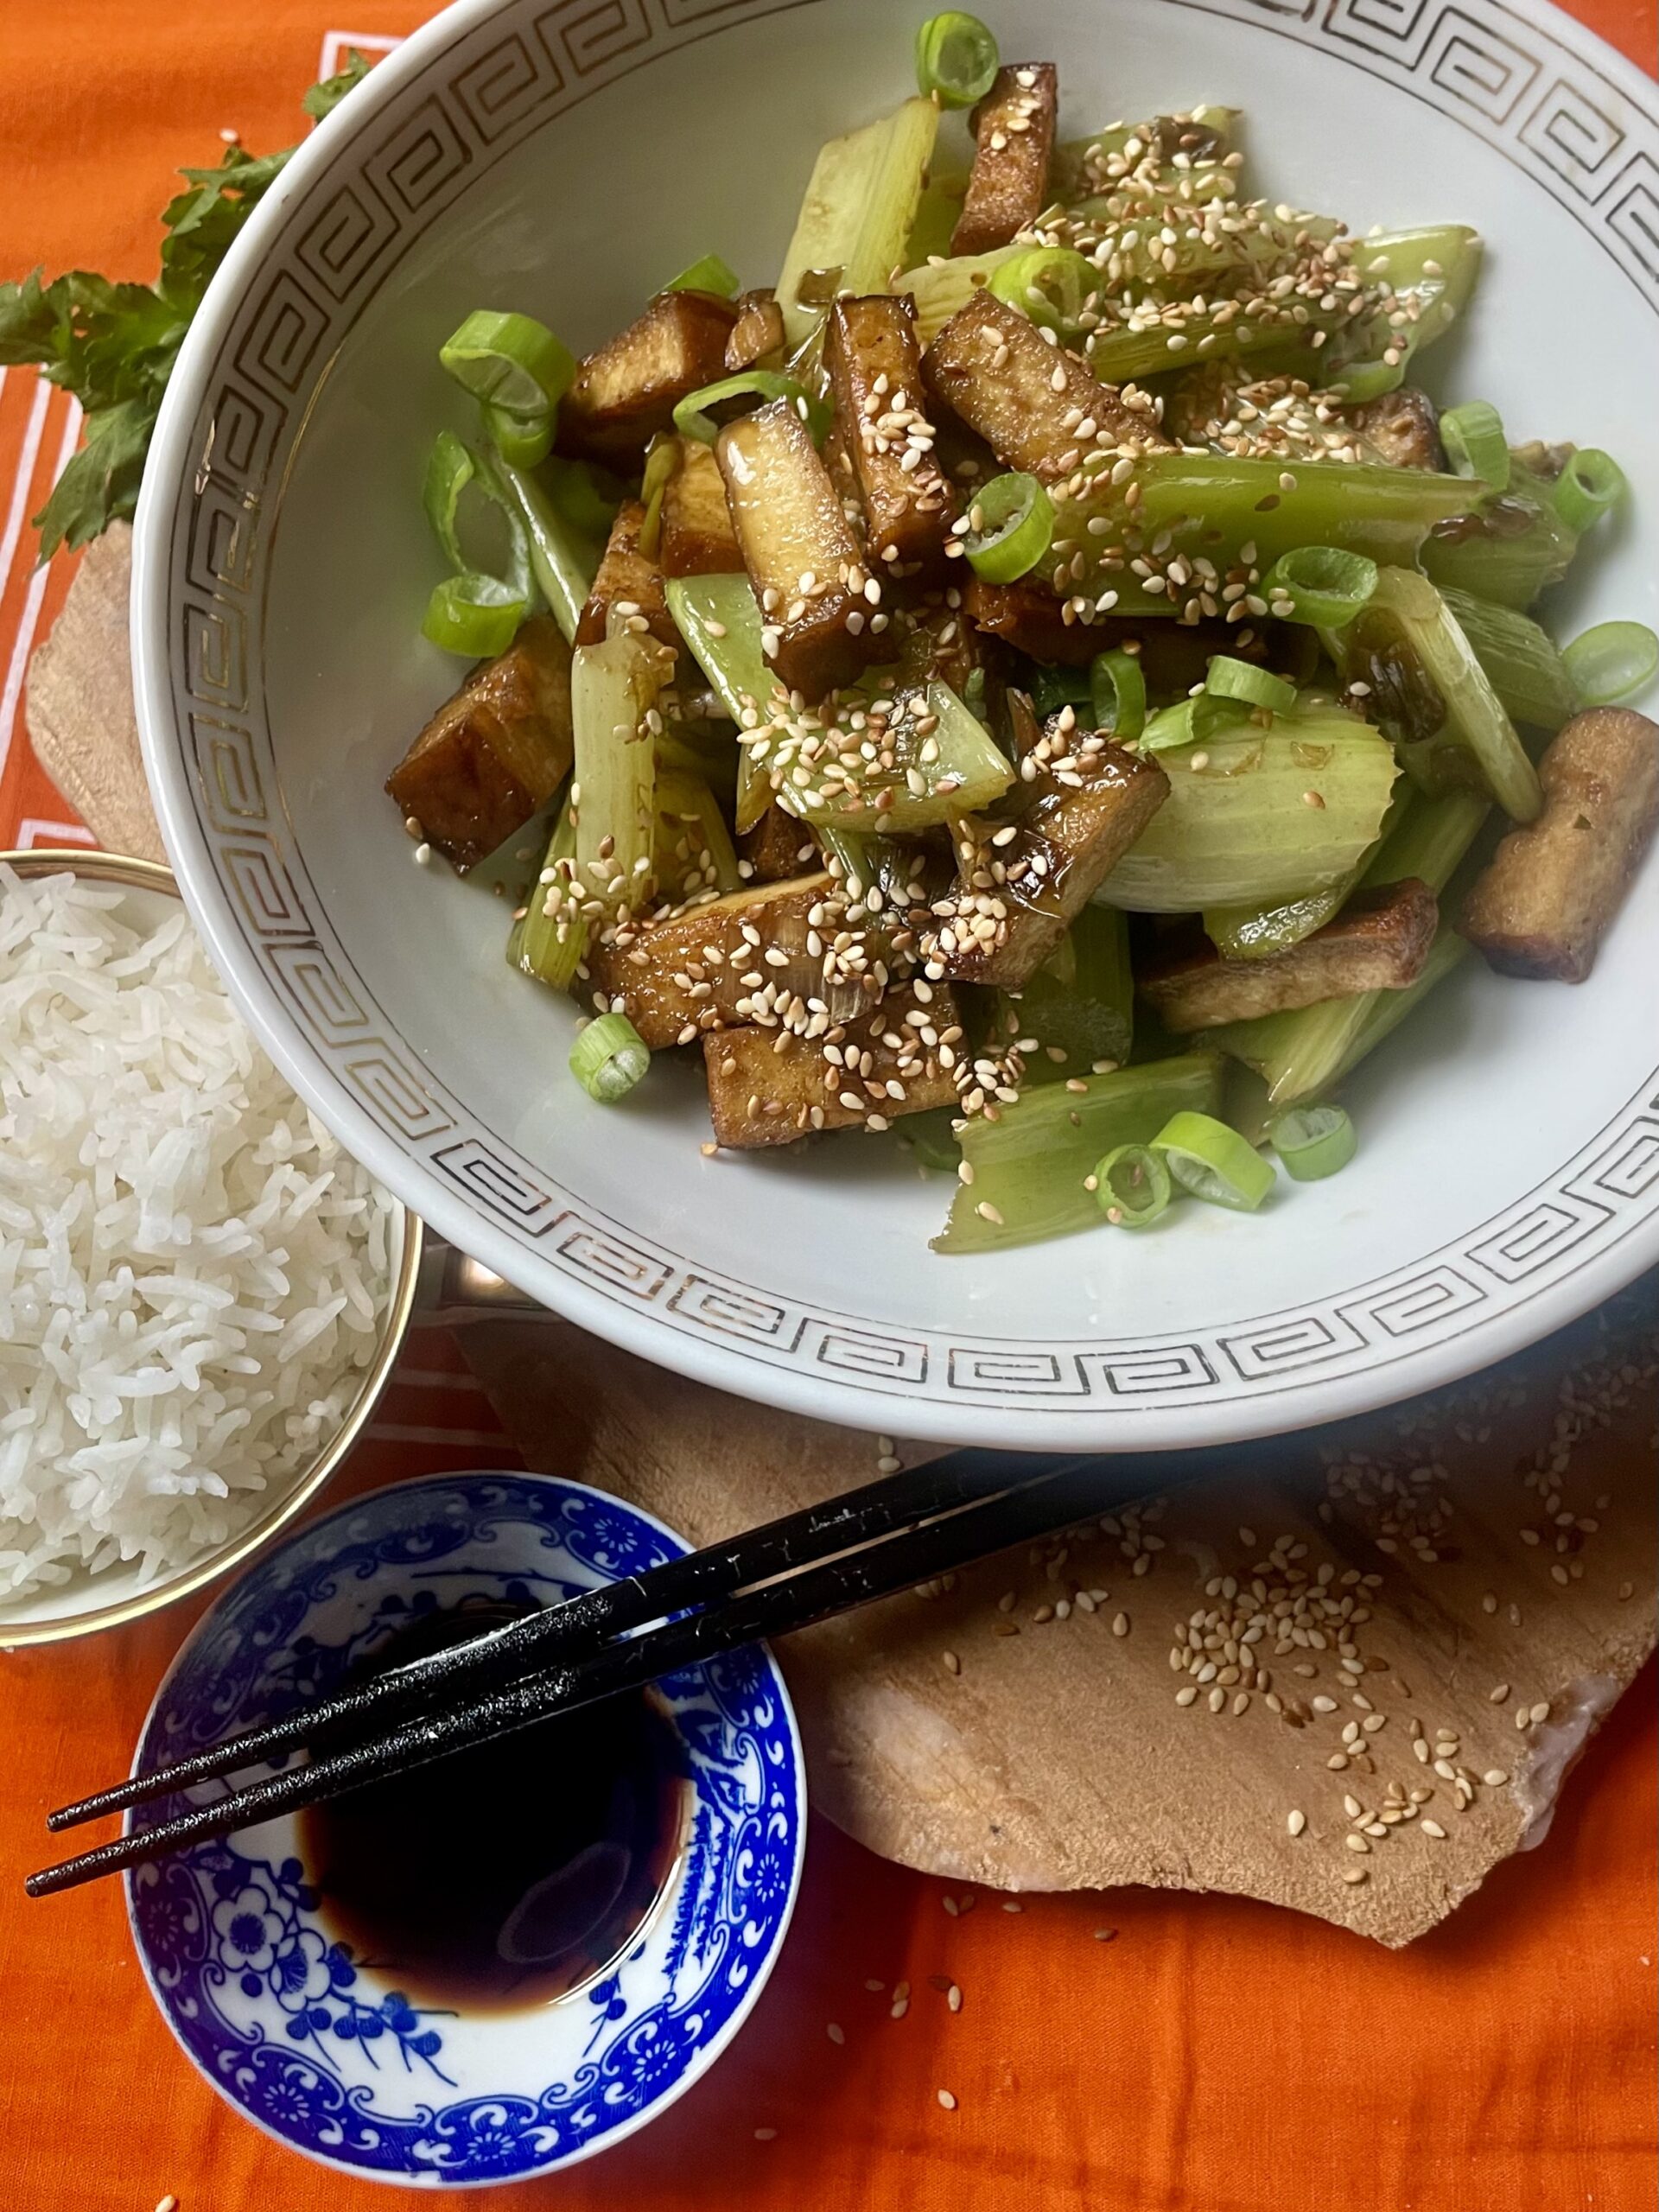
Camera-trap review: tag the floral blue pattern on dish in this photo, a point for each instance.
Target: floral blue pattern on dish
(324, 2049)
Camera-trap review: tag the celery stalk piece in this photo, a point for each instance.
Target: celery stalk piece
(937, 213)
(861, 203)
(1239, 828)
(542, 945)
(1522, 661)
(1119, 355)
(1448, 950)
(1432, 695)
(1508, 547)
(1427, 838)
(691, 847)
(1080, 1004)
(1210, 506)
(563, 560)
(942, 289)
(719, 619)
(613, 688)
(1028, 1167)
(1256, 932)
(1431, 273)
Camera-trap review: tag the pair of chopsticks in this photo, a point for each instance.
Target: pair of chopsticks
(867, 1543)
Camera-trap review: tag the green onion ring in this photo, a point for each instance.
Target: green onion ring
(511, 360)
(710, 274)
(1117, 695)
(956, 59)
(525, 440)
(693, 420)
(1324, 585)
(1015, 520)
(1313, 1141)
(1241, 679)
(1475, 444)
(1614, 661)
(609, 1057)
(449, 469)
(574, 490)
(1133, 1185)
(1212, 1162)
(1190, 720)
(474, 614)
(1049, 283)
(1592, 482)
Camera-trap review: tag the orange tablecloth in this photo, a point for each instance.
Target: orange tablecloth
(1216, 2056)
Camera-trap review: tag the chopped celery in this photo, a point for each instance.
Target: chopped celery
(1029, 1166)
(1426, 838)
(1079, 1007)
(861, 203)
(1432, 695)
(1256, 932)
(1119, 353)
(1508, 548)
(1391, 1007)
(1207, 506)
(691, 846)
(937, 213)
(941, 289)
(613, 688)
(866, 863)
(563, 560)
(720, 621)
(1259, 816)
(550, 947)
(1522, 661)
(1431, 273)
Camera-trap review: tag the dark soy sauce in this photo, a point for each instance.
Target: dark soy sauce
(511, 1873)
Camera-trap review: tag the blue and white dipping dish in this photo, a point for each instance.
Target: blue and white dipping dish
(323, 2050)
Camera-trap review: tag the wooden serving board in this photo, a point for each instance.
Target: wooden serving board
(1345, 1671)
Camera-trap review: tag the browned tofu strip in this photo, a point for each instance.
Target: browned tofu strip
(757, 336)
(1174, 655)
(1403, 426)
(760, 1096)
(1378, 943)
(1038, 407)
(1014, 137)
(627, 392)
(777, 847)
(494, 752)
(698, 536)
(701, 970)
(627, 585)
(875, 366)
(1083, 806)
(1542, 904)
(799, 548)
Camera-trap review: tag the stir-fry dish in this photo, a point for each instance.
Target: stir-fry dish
(1042, 674)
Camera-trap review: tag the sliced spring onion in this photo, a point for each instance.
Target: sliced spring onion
(449, 470)
(1054, 688)
(693, 420)
(1047, 283)
(1015, 527)
(1614, 661)
(1592, 482)
(710, 274)
(1133, 1186)
(1117, 695)
(1313, 1141)
(524, 440)
(1326, 585)
(1191, 720)
(474, 614)
(956, 59)
(662, 461)
(1475, 444)
(1212, 1162)
(1241, 679)
(609, 1057)
(510, 361)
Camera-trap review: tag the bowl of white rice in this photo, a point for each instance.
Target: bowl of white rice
(201, 1294)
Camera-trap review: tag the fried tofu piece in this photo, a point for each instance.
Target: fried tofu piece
(777, 847)
(494, 752)
(875, 366)
(1082, 806)
(760, 1095)
(628, 585)
(794, 532)
(627, 392)
(1544, 901)
(1014, 137)
(701, 970)
(1379, 942)
(1403, 427)
(1029, 617)
(1034, 403)
(757, 337)
(697, 537)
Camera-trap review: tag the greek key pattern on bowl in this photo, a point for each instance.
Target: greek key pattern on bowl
(1552, 111)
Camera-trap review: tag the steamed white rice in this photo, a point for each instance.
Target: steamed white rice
(192, 1272)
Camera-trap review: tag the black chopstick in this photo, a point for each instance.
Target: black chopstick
(491, 1661)
(1034, 1506)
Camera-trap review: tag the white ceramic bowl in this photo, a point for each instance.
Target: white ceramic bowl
(566, 159)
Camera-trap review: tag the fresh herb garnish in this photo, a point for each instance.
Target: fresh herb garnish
(114, 346)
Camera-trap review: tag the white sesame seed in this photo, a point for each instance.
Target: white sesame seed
(761, 2135)
(947, 2100)
(1296, 1821)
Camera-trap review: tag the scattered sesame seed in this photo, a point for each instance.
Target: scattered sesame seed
(1296, 1821)
(952, 1664)
(947, 2100)
(761, 2135)
(1433, 1828)
(836, 2033)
